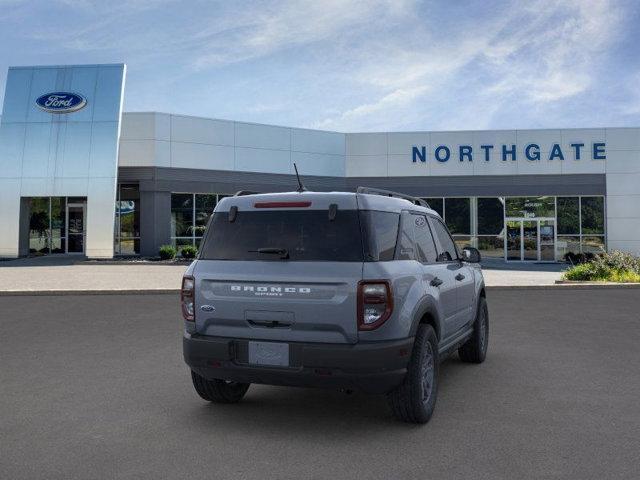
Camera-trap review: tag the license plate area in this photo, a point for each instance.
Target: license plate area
(274, 354)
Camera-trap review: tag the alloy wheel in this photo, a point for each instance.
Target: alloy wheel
(428, 373)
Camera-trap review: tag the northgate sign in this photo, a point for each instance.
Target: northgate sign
(531, 152)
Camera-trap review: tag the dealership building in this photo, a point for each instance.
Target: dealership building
(79, 176)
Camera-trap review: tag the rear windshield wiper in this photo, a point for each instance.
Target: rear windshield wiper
(284, 254)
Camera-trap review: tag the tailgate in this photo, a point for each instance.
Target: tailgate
(240, 299)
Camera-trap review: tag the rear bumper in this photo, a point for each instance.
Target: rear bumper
(374, 367)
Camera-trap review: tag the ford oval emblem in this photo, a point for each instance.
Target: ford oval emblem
(61, 102)
(207, 308)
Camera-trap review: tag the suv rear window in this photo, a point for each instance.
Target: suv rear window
(305, 235)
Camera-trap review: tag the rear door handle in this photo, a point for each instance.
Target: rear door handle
(460, 277)
(436, 282)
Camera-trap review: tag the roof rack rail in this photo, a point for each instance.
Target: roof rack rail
(241, 193)
(389, 193)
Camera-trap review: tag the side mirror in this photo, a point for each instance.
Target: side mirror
(471, 255)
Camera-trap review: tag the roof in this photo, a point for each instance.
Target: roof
(321, 201)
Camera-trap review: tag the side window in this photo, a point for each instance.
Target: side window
(405, 250)
(447, 251)
(380, 232)
(424, 241)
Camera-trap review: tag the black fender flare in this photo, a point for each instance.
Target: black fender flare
(427, 306)
(481, 292)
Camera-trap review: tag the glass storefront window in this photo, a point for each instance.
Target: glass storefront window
(514, 240)
(576, 223)
(48, 232)
(39, 225)
(189, 215)
(127, 227)
(593, 244)
(462, 241)
(567, 244)
(129, 211)
(436, 204)
(568, 215)
(582, 218)
(129, 246)
(490, 216)
(457, 213)
(58, 245)
(204, 208)
(530, 207)
(58, 216)
(181, 242)
(181, 215)
(491, 246)
(483, 226)
(592, 214)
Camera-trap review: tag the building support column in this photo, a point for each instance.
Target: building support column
(9, 217)
(25, 218)
(155, 221)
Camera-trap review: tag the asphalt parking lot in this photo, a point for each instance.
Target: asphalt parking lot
(95, 387)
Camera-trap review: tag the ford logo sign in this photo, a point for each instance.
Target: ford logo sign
(61, 102)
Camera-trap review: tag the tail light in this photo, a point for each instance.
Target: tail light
(187, 298)
(375, 303)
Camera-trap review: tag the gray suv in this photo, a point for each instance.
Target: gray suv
(356, 291)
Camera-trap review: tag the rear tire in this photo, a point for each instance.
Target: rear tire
(475, 349)
(415, 399)
(219, 391)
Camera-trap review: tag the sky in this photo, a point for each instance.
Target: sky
(351, 65)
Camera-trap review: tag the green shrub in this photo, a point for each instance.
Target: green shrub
(576, 258)
(617, 260)
(582, 271)
(189, 251)
(607, 267)
(167, 252)
(624, 277)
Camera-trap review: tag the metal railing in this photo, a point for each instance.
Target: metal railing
(389, 193)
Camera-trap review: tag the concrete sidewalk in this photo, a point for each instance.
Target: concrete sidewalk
(65, 274)
(519, 278)
(498, 273)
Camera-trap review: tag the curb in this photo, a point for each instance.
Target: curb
(23, 293)
(581, 282)
(180, 263)
(566, 286)
(175, 291)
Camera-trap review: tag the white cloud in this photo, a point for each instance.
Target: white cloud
(631, 104)
(352, 64)
(286, 24)
(534, 55)
(398, 98)
(551, 56)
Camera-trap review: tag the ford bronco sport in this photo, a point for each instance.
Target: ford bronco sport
(356, 291)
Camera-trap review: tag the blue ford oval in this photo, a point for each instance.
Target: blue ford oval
(61, 102)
